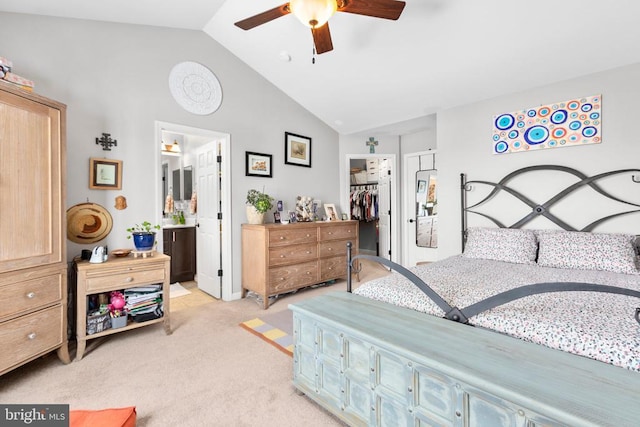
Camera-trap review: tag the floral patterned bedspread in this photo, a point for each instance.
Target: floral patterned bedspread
(597, 325)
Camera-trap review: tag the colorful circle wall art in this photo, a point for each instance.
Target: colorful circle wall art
(562, 124)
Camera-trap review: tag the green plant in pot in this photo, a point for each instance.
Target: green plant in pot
(144, 235)
(258, 203)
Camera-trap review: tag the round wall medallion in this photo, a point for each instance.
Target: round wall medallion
(195, 88)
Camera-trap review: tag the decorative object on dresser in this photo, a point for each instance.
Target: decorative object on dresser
(127, 275)
(258, 203)
(280, 258)
(33, 267)
(144, 238)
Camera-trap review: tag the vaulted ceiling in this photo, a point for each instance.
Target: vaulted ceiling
(389, 75)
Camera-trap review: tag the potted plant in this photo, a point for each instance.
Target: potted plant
(144, 235)
(258, 203)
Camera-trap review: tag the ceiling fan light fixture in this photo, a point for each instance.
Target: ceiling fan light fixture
(313, 13)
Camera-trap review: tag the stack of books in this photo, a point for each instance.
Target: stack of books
(144, 302)
(6, 74)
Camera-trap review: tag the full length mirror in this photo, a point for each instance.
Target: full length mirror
(426, 208)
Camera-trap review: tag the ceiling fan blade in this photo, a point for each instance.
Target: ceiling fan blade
(322, 39)
(387, 9)
(264, 17)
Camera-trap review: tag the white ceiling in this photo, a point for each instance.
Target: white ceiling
(388, 75)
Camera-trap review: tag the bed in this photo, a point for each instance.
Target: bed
(527, 326)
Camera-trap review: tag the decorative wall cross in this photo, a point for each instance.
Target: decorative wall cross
(106, 141)
(372, 144)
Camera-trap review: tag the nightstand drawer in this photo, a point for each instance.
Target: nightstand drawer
(30, 294)
(126, 279)
(30, 335)
(292, 254)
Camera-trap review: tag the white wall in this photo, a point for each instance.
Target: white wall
(114, 79)
(465, 145)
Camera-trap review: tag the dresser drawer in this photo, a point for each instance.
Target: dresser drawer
(292, 277)
(125, 279)
(334, 247)
(291, 254)
(332, 268)
(338, 232)
(30, 294)
(292, 236)
(30, 335)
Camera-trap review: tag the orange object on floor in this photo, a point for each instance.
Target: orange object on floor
(112, 417)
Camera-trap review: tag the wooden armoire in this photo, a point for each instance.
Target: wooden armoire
(33, 266)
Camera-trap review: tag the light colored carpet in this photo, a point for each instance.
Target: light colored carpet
(177, 290)
(208, 372)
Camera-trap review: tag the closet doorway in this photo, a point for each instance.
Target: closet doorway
(372, 201)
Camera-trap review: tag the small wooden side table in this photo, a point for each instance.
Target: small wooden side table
(119, 274)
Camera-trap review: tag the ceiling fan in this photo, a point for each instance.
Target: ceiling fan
(316, 13)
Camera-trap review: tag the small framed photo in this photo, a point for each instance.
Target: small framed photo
(297, 150)
(292, 217)
(258, 164)
(331, 211)
(276, 217)
(345, 217)
(422, 186)
(105, 174)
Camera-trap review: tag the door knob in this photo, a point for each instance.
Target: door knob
(411, 220)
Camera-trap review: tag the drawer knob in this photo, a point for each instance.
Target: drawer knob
(308, 272)
(32, 336)
(308, 235)
(281, 237)
(308, 252)
(129, 279)
(329, 249)
(281, 256)
(31, 295)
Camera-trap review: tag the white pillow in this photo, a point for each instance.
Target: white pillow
(588, 251)
(501, 244)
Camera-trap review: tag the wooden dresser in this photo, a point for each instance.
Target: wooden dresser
(33, 267)
(279, 258)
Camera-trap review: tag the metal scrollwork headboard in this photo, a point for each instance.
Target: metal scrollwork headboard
(543, 209)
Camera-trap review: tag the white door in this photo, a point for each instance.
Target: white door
(412, 251)
(384, 209)
(208, 230)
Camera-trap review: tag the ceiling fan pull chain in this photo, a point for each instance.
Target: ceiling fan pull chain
(313, 56)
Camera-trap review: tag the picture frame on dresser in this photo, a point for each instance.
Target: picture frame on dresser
(105, 174)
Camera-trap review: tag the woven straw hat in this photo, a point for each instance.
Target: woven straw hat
(88, 223)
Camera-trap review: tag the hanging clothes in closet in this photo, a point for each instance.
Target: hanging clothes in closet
(364, 202)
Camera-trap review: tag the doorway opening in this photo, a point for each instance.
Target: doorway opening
(373, 175)
(197, 177)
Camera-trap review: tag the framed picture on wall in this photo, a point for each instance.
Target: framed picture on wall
(105, 174)
(258, 164)
(297, 150)
(422, 186)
